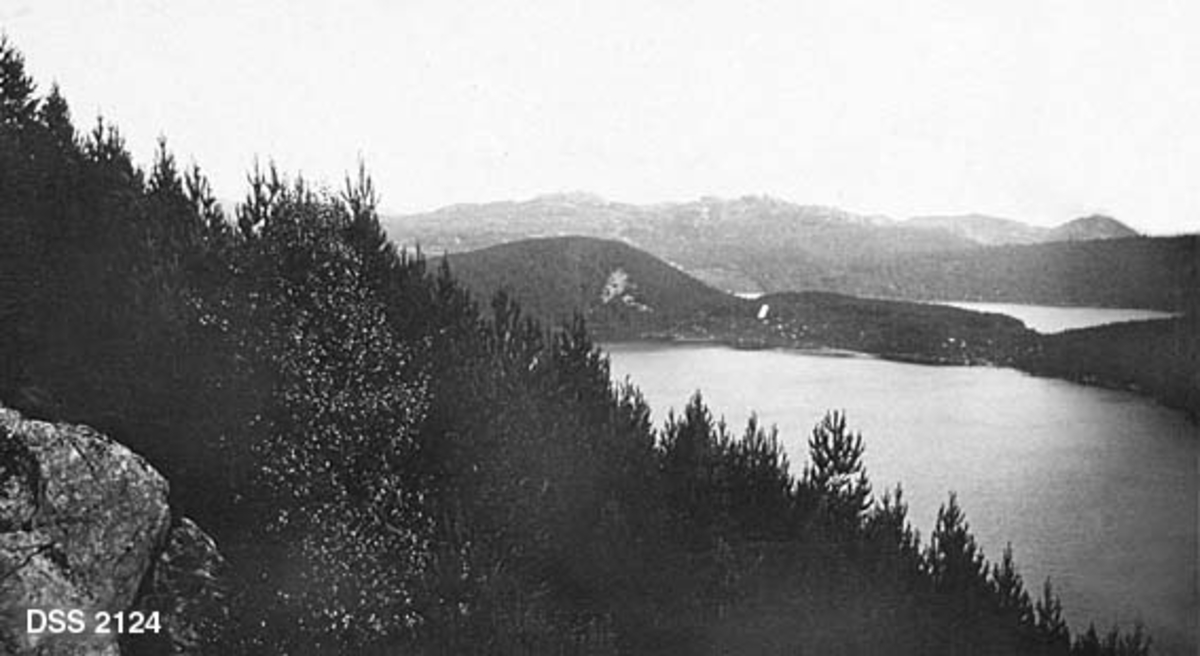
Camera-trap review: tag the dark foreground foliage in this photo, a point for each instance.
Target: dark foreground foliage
(391, 470)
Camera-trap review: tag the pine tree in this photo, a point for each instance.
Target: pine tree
(894, 543)
(692, 454)
(760, 485)
(836, 474)
(954, 560)
(1008, 590)
(336, 493)
(1051, 627)
(18, 104)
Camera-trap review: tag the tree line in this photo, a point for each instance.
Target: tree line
(390, 469)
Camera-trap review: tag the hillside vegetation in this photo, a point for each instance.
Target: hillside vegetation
(390, 470)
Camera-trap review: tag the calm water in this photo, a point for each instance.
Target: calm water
(1048, 319)
(1095, 488)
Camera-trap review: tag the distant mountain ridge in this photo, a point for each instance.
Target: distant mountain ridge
(982, 229)
(995, 231)
(716, 240)
(761, 244)
(468, 226)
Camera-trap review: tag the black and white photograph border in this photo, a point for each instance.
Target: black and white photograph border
(542, 327)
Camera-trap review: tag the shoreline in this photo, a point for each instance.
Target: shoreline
(1085, 380)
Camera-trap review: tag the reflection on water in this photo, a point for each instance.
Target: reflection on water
(1095, 488)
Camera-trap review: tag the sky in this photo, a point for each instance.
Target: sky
(1041, 111)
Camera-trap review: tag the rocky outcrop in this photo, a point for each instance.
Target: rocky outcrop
(85, 526)
(185, 589)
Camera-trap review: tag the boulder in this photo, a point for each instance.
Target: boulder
(185, 587)
(85, 525)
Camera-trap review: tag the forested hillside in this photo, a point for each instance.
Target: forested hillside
(391, 470)
(1160, 358)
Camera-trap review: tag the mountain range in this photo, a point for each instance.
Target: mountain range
(761, 244)
(993, 231)
(473, 225)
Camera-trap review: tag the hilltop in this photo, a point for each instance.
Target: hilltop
(994, 231)
(1096, 226)
(620, 290)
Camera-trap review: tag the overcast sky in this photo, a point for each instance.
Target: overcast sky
(1036, 110)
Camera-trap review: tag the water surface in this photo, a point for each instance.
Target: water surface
(1094, 488)
(1051, 319)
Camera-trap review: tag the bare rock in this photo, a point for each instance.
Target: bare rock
(185, 587)
(85, 525)
(20, 483)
